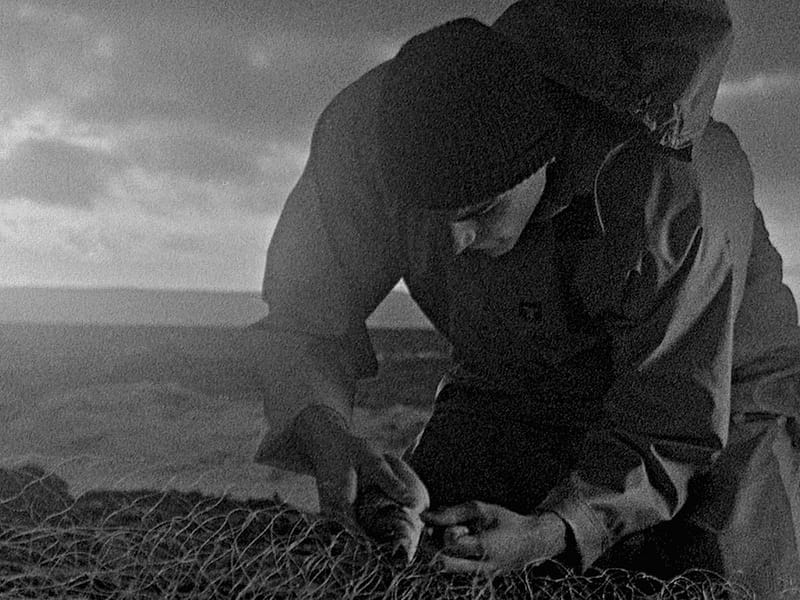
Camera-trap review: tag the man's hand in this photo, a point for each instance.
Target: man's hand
(346, 465)
(378, 493)
(486, 538)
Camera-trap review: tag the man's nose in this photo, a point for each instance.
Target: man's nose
(464, 234)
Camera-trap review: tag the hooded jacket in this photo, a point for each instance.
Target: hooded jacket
(682, 291)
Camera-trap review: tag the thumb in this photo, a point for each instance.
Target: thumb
(416, 493)
(382, 475)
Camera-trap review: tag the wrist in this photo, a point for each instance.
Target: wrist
(555, 524)
(315, 415)
(568, 554)
(318, 429)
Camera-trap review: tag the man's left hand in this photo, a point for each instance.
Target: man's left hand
(486, 538)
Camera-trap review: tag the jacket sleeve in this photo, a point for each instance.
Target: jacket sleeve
(659, 61)
(335, 254)
(666, 413)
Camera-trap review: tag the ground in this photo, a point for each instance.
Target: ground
(109, 407)
(126, 472)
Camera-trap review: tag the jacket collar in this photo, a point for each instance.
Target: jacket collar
(570, 194)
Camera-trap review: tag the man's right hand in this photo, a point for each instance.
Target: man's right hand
(345, 463)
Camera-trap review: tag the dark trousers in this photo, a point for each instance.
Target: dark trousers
(504, 450)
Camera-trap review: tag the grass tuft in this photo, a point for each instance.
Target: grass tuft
(177, 545)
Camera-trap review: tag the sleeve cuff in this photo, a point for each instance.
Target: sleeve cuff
(279, 449)
(591, 538)
(279, 446)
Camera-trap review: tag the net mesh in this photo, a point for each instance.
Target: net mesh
(171, 544)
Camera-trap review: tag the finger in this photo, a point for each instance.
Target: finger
(453, 533)
(417, 492)
(454, 564)
(467, 546)
(454, 515)
(381, 474)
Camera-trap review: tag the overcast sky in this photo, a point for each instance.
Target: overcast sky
(152, 144)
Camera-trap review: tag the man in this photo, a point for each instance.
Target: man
(602, 283)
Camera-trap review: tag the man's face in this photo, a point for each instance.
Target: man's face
(495, 226)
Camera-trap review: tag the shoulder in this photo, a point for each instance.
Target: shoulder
(719, 139)
(725, 179)
(342, 158)
(718, 167)
(351, 114)
(723, 168)
(664, 202)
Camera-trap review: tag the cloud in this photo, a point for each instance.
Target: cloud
(53, 172)
(765, 37)
(65, 247)
(252, 89)
(124, 233)
(61, 231)
(764, 111)
(174, 195)
(200, 157)
(171, 169)
(763, 85)
(119, 67)
(46, 55)
(206, 111)
(266, 83)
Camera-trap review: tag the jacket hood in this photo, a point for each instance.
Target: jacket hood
(658, 61)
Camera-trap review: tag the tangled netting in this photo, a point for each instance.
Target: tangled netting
(171, 545)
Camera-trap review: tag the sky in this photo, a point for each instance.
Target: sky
(152, 144)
